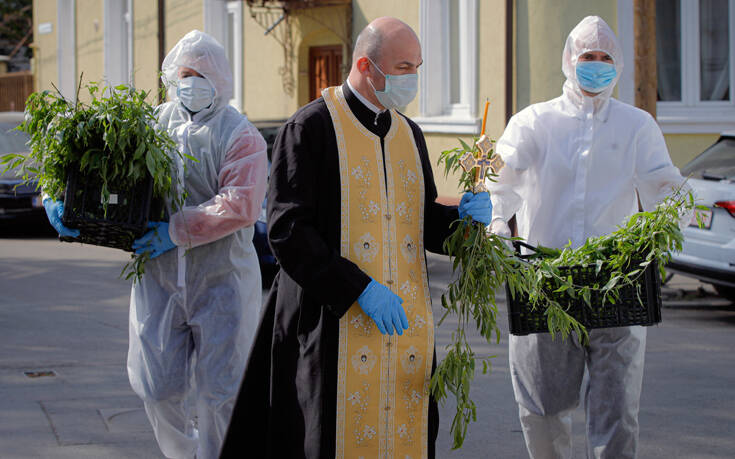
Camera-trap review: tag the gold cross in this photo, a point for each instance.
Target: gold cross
(482, 162)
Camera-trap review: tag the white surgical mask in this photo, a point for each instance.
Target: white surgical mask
(195, 93)
(399, 90)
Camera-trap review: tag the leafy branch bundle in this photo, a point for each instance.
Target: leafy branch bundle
(483, 262)
(113, 138)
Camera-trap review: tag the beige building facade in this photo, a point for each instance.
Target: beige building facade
(505, 51)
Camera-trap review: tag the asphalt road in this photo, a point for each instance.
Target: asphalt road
(64, 391)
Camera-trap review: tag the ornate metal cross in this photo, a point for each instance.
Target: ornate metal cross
(482, 162)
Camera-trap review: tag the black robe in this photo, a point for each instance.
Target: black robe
(287, 403)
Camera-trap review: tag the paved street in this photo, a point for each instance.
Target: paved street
(64, 391)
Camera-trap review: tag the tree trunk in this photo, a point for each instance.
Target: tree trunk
(644, 31)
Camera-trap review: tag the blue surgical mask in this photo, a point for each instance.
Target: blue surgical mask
(399, 90)
(195, 93)
(595, 76)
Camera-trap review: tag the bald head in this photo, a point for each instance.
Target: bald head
(392, 46)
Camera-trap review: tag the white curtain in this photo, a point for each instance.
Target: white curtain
(668, 50)
(714, 50)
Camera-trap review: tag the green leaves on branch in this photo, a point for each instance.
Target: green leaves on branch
(114, 137)
(480, 264)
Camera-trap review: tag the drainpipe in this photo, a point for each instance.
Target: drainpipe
(509, 76)
(161, 44)
(509, 6)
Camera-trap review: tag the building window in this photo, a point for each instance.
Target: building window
(695, 67)
(223, 21)
(448, 78)
(118, 35)
(66, 44)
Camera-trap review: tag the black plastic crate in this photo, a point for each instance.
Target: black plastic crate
(638, 303)
(124, 221)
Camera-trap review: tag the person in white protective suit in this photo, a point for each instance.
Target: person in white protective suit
(572, 168)
(195, 310)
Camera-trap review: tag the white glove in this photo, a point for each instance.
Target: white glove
(501, 228)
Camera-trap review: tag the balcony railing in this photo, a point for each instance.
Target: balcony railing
(295, 4)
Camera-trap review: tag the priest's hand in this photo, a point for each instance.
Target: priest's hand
(478, 206)
(384, 307)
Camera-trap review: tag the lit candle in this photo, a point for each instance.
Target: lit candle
(484, 117)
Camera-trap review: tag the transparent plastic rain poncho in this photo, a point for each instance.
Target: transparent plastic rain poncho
(194, 313)
(572, 168)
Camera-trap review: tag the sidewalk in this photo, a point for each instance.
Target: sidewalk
(64, 391)
(682, 291)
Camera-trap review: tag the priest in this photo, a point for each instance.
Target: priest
(345, 348)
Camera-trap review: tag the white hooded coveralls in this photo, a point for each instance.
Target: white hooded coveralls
(573, 165)
(194, 313)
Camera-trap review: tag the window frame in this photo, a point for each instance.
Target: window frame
(438, 114)
(690, 115)
(216, 24)
(66, 48)
(118, 28)
(690, 112)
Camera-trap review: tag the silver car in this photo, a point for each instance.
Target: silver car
(709, 252)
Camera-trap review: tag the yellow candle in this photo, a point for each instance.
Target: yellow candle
(484, 117)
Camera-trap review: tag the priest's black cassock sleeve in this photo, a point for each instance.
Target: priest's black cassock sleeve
(286, 406)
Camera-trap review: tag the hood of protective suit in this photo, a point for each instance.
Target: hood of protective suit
(591, 34)
(201, 52)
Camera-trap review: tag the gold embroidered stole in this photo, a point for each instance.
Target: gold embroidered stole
(383, 380)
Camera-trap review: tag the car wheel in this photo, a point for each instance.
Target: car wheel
(725, 292)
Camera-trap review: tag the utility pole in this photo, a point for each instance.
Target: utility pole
(646, 78)
(161, 10)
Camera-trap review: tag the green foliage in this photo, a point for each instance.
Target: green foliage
(114, 137)
(483, 262)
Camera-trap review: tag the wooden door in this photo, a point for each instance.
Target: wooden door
(325, 68)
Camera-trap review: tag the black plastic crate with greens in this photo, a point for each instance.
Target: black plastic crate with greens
(637, 303)
(116, 223)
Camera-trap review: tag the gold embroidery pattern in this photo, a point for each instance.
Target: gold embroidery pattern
(366, 248)
(360, 401)
(408, 249)
(379, 373)
(364, 360)
(411, 360)
(408, 180)
(362, 323)
(369, 209)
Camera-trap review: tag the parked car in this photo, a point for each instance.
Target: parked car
(20, 203)
(708, 253)
(268, 263)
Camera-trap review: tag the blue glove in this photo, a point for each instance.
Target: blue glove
(54, 211)
(384, 307)
(157, 241)
(477, 206)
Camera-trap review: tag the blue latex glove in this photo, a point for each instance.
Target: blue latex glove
(478, 206)
(384, 307)
(54, 211)
(157, 241)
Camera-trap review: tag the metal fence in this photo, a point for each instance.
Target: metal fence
(14, 90)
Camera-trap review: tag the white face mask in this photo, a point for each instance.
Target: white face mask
(399, 90)
(195, 93)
